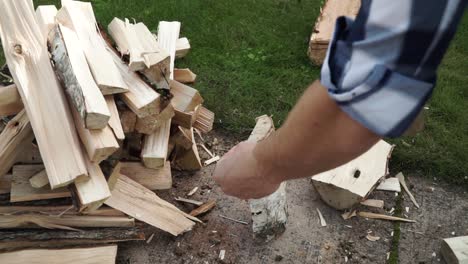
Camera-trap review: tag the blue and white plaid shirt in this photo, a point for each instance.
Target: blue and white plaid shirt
(381, 68)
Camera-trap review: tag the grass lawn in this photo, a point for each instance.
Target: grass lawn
(250, 57)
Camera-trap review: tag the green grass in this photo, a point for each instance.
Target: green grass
(250, 57)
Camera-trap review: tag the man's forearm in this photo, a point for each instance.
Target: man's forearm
(317, 136)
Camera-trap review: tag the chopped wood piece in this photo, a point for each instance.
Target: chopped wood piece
(323, 29)
(384, 217)
(168, 34)
(15, 138)
(65, 222)
(373, 203)
(5, 183)
(155, 147)
(193, 191)
(205, 120)
(114, 176)
(55, 211)
(182, 47)
(140, 98)
(190, 201)
(182, 137)
(390, 184)
(102, 255)
(153, 179)
(73, 71)
(137, 41)
(10, 100)
(44, 100)
(211, 161)
(455, 250)
(80, 17)
(22, 191)
(349, 184)
(322, 220)
(184, 76)
(39, 179)
(19, 239)
(142, 204)
(401, 179)
(114, 121)
(45, 15)
(186, 100)
(149, 124)
(269, 214)
(204, 208)
(188, 160)
(128, 120)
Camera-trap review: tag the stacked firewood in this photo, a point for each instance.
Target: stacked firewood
(95, 117)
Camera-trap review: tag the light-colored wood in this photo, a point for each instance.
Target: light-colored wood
(140, 98)
(205, 120)
(155, 147)
(98, 143)
(401, 179)
(114, 176)
(22, 191)
(325, 24)
(323, 223)
(384, 217)
(56, 210)
(211, 161)
(204, 208)
(101, 255)
(64, 222)
(39, 179)
(149, 124)
(153, 179)
(168, 34)
(373, 203)
(185, 98)
(190, 201)
(128, 119)
(10, 100)
(92, 193)
(348, 185)
(188, 160)
(455, 250)
(15, 137)
(184, 76)
(269, 214)
(114, 121)
(5, 183)
(142, 204)
(79, 16)
(137, 41)
(73, 70)
(182, 137)
(390, 184)
(182, 47)
(45, 15)
(28, 60)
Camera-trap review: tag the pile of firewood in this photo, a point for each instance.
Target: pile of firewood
(95, 117)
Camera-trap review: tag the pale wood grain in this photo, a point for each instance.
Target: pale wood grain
(114, 121)
(182, 47)
(10, 100)
(153, 179)
(155, 146)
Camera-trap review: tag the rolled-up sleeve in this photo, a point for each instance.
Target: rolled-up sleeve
(381, 67)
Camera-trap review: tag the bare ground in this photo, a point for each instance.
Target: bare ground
(443, 210)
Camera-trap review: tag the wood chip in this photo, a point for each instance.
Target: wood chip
(384, 217)
(180, 199)
(372, 238)
(402, 181)
(322, 220)
(193, 191)
(222, 253)
(373, 203)
(390, 184)
(204, 208)
(211, 161)
(348, 215)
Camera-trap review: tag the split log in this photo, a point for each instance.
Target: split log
(44, 100)
(45, 15)
(184, 76)
(186, 102)
(79, 16)
(128, 119)
(205, 120)
(56, 211)
(168, 34)
(22, 191)
(155, 147)
(390, 184)
(349, 184)
(102, 255)
(188, 160)
(269, 214)
(114, 121)
(182, 47)
(455, 250)
(149, 124)
(137, 41)
(10, 100)
(15, 137)
(140, 98)
(39, 179)
(21, 239)
(73, 71)
(325, 24)
(5, 183)
(144, 205)
(153, 179)
(182, 137)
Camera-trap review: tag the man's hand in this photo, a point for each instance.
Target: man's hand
(241, 175)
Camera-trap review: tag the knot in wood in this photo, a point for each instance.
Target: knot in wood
(18, 49)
